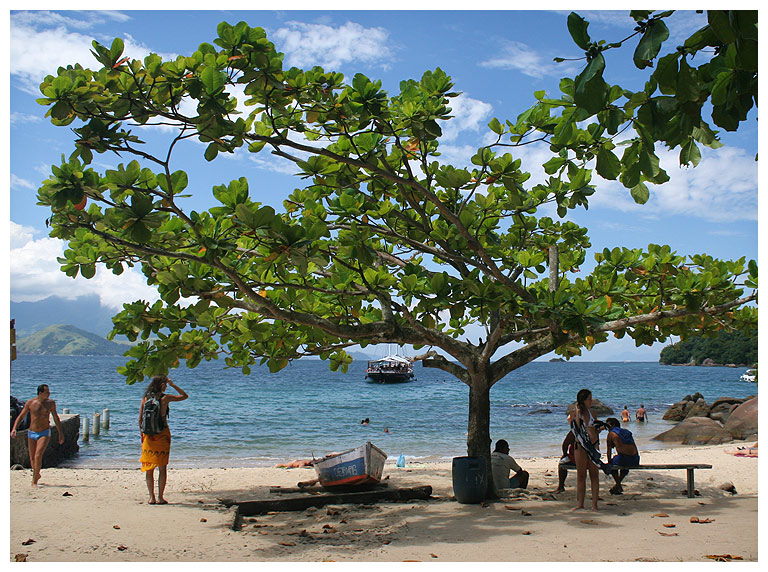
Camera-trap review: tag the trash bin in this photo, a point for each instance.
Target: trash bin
(470, 479)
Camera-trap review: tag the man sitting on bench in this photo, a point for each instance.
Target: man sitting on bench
(626, 451)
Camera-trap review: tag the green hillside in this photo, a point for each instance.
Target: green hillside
(61, 339)
(739, 348)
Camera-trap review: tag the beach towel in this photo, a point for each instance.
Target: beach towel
(585, 442)
(155, 449)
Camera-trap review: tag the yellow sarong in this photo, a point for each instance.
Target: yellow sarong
(155, 449)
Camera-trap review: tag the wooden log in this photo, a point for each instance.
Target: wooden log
(303, 488)
(250, 508)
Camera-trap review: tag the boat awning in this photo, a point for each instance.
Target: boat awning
(393, 358)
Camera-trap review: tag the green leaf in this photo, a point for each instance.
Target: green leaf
(496, 126)
(648, 48)
(590, 90)
(608, 165)
(211, 151)
(213, 80)
(577, 26)
(689, 153)
(640, 193)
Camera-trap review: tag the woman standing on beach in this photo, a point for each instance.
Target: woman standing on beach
(583, 427)
(156, 448)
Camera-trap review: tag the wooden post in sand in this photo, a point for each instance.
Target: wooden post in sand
(86, 428)
(105, 418)
(96, 417)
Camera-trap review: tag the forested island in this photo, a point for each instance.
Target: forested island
(725, 348)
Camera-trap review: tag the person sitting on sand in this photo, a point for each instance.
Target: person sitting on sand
(501, 463)
(40, 408)
(568, 450)
(156, 449)
(625, 415)
(642, 414)
(626, 451)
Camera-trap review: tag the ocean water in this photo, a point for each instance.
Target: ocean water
(306, 410)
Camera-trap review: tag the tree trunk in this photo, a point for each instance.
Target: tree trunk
(479, 427)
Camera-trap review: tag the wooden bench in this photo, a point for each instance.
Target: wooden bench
(689, 468)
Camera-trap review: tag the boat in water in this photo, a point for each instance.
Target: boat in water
(750, 375)
(362, 465)
(390, 369)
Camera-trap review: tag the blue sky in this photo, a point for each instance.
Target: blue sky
(497, 59)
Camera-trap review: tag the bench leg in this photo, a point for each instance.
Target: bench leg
(690, 482)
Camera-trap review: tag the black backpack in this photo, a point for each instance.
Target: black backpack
(151, 420)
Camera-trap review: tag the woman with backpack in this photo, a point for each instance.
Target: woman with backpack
(155, 433)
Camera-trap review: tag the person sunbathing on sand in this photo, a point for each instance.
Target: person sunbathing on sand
(297, 464)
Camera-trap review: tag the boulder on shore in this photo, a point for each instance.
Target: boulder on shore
(742, 422)
(699, 409)
(722, 407)
(696, 431)
(599, 409)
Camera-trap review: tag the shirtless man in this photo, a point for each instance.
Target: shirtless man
(642, 414)
(626, 451)
(39, 432)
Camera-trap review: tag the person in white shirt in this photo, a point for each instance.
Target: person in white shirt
(501, 464)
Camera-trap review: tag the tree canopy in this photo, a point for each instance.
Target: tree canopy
(383, 243)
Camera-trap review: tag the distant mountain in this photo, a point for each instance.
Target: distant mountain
(61, 339)
(85, 312)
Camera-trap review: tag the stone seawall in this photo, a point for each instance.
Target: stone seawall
(54, 453)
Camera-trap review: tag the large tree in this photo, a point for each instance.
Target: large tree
(382, 244)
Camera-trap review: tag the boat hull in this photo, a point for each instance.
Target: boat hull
(388, 377)
(359, 466)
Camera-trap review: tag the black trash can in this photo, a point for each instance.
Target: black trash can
(470, 479)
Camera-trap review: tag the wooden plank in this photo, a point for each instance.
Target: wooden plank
(649, 467)
(250, 508)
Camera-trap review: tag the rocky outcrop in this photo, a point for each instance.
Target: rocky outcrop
(599, 409)
(696, 431)
(54, 453)
(721, 409)
(742, 423)
(716, 423)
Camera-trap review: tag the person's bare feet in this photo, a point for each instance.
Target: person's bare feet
(559, 490)
(162, 501)
(574, 509)
(152, 500)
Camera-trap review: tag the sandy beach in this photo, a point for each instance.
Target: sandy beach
(103, 515)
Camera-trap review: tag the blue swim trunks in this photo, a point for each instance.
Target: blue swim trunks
(35, 435)
(625, 460)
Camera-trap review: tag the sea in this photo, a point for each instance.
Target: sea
(306, 410)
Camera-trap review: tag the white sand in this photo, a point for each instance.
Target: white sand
(106, 518)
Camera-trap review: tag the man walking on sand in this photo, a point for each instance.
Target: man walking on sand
(39, 433)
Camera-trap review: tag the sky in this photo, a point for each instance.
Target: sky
(497, 59)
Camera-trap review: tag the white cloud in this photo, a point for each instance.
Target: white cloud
(521, 57)
(40, 42)
(35, 274)
(17, 118)
(468, 115)
(331, 47)
(723, 187)
(19, 183)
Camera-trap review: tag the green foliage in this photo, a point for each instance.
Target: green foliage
(715, 68)
(725, 347)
